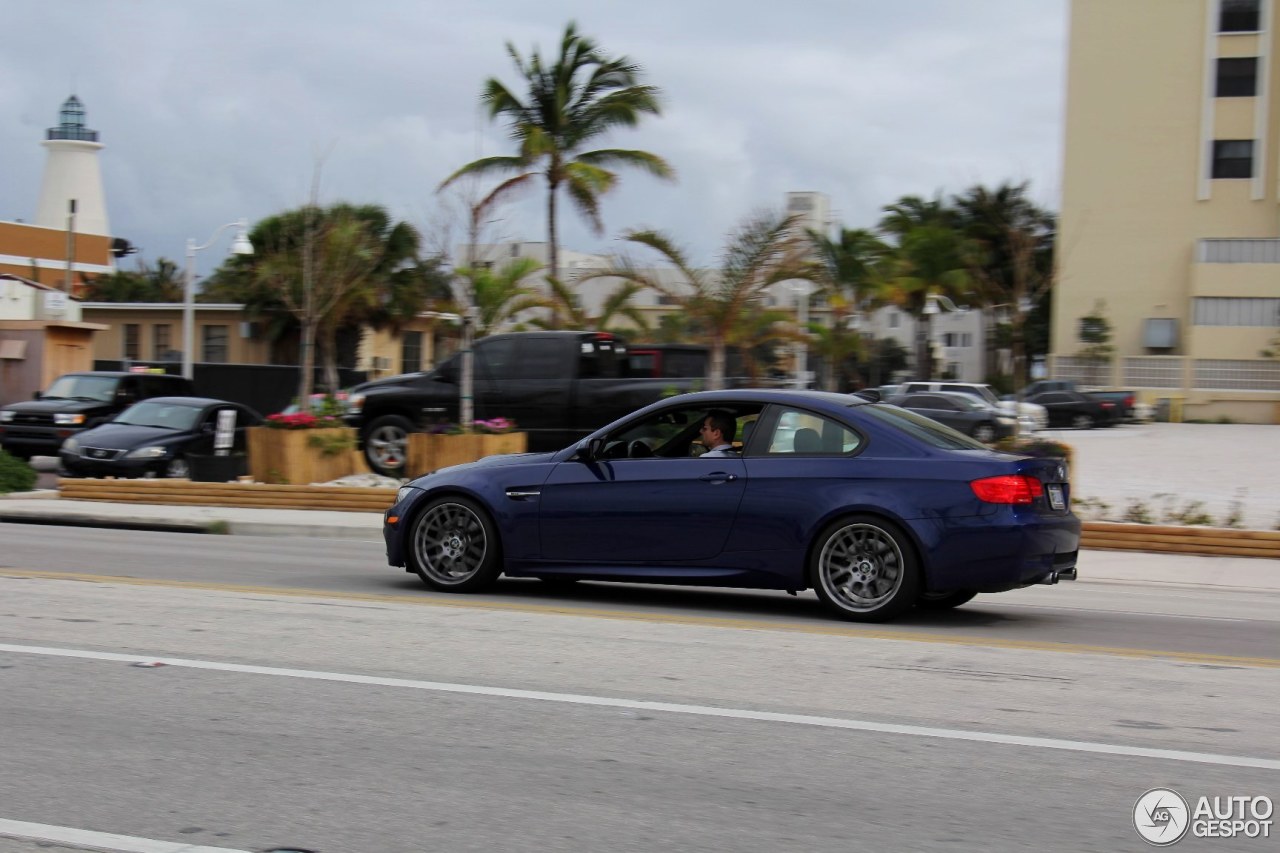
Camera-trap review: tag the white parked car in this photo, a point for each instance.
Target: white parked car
(1030, 416)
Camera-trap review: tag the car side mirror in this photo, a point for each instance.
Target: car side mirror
(590, 451)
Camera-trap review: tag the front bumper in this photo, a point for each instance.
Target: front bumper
(34, 440)
(78, 466)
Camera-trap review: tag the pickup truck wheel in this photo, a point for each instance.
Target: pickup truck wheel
(986, 433)
(453, 546)
(386, 445)
(1082, 421)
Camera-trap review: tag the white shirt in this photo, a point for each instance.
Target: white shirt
(721, 450)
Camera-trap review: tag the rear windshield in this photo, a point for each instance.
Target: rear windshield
(927, 430)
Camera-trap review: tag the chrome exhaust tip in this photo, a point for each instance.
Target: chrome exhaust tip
(1049, 579)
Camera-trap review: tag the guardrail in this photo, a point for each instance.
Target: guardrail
(1099, 535)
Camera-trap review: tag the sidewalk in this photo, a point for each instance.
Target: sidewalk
(47, 508)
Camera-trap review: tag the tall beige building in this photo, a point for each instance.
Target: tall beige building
(1171, 202)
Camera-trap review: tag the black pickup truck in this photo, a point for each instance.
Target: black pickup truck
(76, 402)
(1124, 403)
(556, 386)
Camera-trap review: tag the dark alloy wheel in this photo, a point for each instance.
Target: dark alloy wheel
(945, 600)
(386, 445)
(864, 569)
(1082, 421)
(453, 546)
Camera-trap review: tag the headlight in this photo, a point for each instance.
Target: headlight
(354, 403)
(147, 453)
(404, 492)
(68, 420)
(70, 445)
(5, 417)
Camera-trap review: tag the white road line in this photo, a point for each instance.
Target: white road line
(99, 840)
(672, 708)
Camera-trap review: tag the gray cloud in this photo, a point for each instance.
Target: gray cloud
(216, 109)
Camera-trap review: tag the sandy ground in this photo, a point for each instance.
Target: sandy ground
(1228, 468)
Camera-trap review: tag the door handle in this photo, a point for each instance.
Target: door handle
(718, 477)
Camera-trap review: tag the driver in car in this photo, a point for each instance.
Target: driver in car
(718, 429)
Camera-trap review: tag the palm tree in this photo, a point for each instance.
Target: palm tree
(568, 104)
(762, 251)
(1014, 267)
(502, 294)
(930, 259)
(162, 283)
(850, 278)
(617, 304)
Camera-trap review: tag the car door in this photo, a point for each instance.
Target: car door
(669, 509)
(1057, 404)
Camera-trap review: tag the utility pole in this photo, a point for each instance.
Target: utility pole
(71, 243)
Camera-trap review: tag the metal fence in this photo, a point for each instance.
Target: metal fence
(1160, 371)
(1166, 371)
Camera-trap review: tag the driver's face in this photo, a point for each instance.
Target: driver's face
(710, 435)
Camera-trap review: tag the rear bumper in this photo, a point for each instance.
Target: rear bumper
(1027, 548)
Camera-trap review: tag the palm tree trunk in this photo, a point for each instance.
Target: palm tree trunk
(715, 377)
(553, 248)
(308, 344)
(329, 355)
(924, 353)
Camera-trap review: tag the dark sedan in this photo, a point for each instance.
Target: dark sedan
(874, 507)
(156, 437)
(1074, 409)
(961, 412)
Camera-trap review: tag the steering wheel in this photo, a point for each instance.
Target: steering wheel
(639, 450)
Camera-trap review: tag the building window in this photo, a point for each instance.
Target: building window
(132, 332)
(1237, 78)
(411, 352)
(894, 320)
(1239, 16)
(161, 342)
(1236, 311)
(215, 344)
(1233, 158)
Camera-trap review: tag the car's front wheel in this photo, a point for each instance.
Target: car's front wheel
(177, 469)
(454, 547)
(945, 600)
(386, 445)
(986, 433)
(864, 569)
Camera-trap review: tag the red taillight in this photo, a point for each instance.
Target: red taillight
(1009, 489)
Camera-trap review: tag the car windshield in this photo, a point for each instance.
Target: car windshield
(987, 394)
(165, 415)
(925, 429)
(100, 388)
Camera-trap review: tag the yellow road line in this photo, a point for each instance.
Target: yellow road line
(834, 629)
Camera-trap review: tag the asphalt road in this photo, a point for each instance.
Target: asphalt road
(313, 698)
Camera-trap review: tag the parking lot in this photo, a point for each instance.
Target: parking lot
(1219, 465)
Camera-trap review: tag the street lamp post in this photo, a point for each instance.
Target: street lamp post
(802, 290)
(240, 246)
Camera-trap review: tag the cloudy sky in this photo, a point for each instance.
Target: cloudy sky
(212, 110)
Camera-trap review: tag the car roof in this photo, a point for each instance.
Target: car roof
(793, 396)
(194, 402)
(951, 395)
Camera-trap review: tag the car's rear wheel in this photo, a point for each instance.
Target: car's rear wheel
(177, 469)
(386, 445)
(944, 600)
(453, 546)
(986, 433)
(1082, 421)
(864, 569)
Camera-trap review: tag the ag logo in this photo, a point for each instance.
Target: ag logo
(1161, 816)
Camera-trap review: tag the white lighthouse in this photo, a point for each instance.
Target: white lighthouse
(71, 172)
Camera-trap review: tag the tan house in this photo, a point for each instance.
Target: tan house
(224, 334)
(1170, 219)
(42, 336)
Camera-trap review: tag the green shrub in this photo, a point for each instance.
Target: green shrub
(15, 475)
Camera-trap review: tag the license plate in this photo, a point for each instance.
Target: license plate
(1055, 497)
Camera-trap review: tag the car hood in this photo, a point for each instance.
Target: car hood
(129, 436)
(48, 407)
(501, 460)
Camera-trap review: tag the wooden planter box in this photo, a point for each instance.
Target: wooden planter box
(287, 456)
(428, 452)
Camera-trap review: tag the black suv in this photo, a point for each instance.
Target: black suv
(76, 402)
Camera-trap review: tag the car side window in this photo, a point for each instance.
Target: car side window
(495, 359)
(803, 433)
